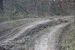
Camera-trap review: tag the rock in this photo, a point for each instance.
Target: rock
(60, 20)
(65, 20)
(51, 18)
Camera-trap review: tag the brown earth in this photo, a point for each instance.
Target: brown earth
(48, 40)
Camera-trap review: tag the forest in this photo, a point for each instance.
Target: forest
(12, 9)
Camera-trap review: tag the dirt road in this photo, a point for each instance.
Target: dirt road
(48, 40)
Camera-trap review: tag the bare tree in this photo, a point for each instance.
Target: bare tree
(74, 12)
(1, 6)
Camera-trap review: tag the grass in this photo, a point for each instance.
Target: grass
(32, 16)
(69, 18)
(47, 28)
(1, 26)
(16, 22)
(13, 23)
(68, 39)
(20, 47)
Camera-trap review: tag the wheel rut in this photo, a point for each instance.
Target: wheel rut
(43, 40)
(49, 40)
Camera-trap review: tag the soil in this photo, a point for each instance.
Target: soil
(44, 40)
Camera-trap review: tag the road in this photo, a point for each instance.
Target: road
(48, 40)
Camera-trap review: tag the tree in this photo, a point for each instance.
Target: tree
(1, 6)
(74, 12)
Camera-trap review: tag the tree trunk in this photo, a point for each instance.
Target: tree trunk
(22, 9)
(48, 6)
(74, 12)
(1, 7)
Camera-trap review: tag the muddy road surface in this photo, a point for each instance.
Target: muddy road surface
(49, 40)
(44, 39)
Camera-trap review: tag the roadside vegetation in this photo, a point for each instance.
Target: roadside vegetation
(68, 39)
(20, 16)
(13, 24)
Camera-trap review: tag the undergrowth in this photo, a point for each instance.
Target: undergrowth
(68, 39)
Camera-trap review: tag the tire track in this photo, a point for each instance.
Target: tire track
(49, 40)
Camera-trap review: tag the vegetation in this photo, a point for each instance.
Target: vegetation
(70, 19)
(1, 26)
(16, 9)
(13, 23)
(46, 28)
(68, 39)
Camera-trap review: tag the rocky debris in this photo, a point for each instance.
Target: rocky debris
(61, 21)
(20, 44)
(65, 21)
